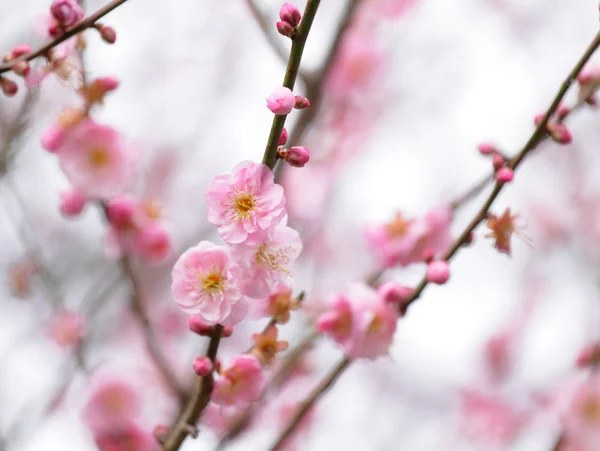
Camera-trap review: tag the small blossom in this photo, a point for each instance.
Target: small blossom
(502, 229)
(202, 366)
(291, 14)
(438, 271)
(205, 283)
(111, 404)
(71, 203)
(361, 321)
(267, 259)
(245, 202)
(94, 92)
(66, 12)
(403, 241)
(487, 149)
(280, 302)
(241, 382)
(66, 329)
(266, 346)
(97, 160)
(589, 82)
(281, 101)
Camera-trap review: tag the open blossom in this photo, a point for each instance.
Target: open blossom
(267, 260)
(266, 346)
(361, 321)
(66, 328)
(402, 242)
(240, 383)
(205, 283)
(97, 160)
(112, 403)
(245, 202)
(502, 229)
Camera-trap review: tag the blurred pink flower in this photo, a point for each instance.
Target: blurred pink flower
(112, 404)
(267, 260)
(402, 242)
(581, 418)
(205, 283)
(97, 160)
(240, 383)
(396, 8)
(361, 321)
(245, 202)
(126, 437)
(66, 328)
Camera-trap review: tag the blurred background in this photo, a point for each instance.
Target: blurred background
(413, 88)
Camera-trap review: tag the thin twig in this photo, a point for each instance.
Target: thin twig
(538, 135)
(291, 73)
(314, 396)
(198, 402)
(84, 24)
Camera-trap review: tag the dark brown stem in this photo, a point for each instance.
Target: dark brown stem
(84, 24)
(197, 403)
(291, 73)
(306, 405)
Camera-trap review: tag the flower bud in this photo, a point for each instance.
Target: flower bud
(52, 138)
(394, 293)
(297, 156)
(66, 12)
(202, 366)
(498, 161)
(301, 102)
(291, 14)
(486, 149)
(71, 203)
(285, 29)
(108, 34)
(438, 271)
(281, 101)
(227, 332)
(120, 211)
(283, 138)
(504, 175)
(198, 327)
(9, 87)
(21, 68)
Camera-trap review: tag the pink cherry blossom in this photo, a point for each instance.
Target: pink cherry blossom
(241, 382)
(281, 101)
(267, 260)
(245, 202)
(403, 242)
(205, 283)
(96, 160)
(153, 243)
(361, 321)
(66, 12)
(581, 419)
(112, 403)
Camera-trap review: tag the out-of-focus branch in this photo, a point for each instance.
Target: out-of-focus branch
(291, 73)
(538, 135)
(141, 315)
(314, 396)
(186, 424)
(84, 24)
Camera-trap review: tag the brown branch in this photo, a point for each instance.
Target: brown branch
(83, 25)
(196, 405)
(538, 135)
(314, 396)
(291, 73)
(141, 315)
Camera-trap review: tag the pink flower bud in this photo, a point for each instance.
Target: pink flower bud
(297, 156)
(160, 433)
(153, 243)
(71, 203)
(22, 68)
(428, 255)
(52, 138)
(590, 355)
(202, 366)
(66, 12)
(394, 293)
(504, 175)
(281, 101)
(285, 29)
(487, 149)
(108, 34)
(20, 50)
(283, 138)
(9, 87)
(560, 133)
(563, 112)
(498, 161)
(291, 14)
(107, 83)
(301, 103)
(227, 332)
(438, 271)
(120, 211)
(328, 322)
(198, 327)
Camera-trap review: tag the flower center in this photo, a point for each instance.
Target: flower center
(275, 258)
(591, 410)
(397, 227)
(98, 157)
(245, 204)
(213, 282)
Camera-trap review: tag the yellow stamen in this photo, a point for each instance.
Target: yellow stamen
(98, 157)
